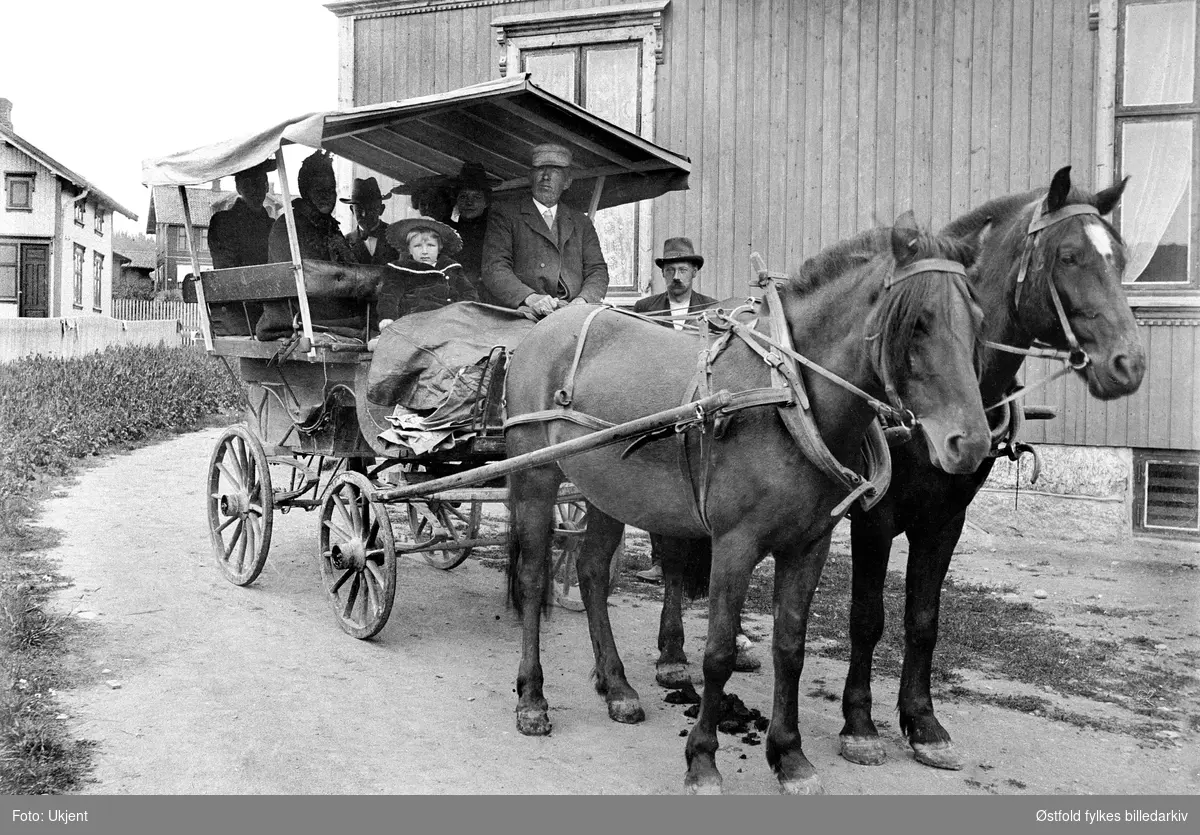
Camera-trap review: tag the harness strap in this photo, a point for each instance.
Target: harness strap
(581, 418)
(1037, 223)
(1034, 351)
(1024, 390)
(925, 265)
(566, 394)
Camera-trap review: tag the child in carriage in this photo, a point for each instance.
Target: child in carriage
(426, 276)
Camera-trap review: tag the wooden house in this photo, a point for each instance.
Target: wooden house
(809, 120)
(55, 234)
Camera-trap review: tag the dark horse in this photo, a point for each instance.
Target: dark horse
(915, 343)
(1081, 258)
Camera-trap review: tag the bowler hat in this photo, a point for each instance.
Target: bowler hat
(472, 177)
(551, 154)
(397, 233)
(365, 191)
(679, 249)
(262, 168)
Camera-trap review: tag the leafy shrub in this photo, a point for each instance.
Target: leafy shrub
(56, 411)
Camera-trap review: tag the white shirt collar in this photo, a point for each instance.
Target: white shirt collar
(541, 210)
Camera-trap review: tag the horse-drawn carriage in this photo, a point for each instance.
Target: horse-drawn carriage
(311, 438)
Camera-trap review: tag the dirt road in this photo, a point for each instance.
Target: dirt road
(191, 685)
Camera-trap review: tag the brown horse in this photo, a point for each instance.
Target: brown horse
(1079, 257)
(745, 481)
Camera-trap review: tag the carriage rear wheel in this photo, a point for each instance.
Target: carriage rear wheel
(450, 522)
(357, 556)
(570, 524)
(241, 505)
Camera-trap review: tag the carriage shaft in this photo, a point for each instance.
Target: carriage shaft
(557, 452)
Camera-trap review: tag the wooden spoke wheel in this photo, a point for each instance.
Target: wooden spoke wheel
(241, 505)
(436, 521)
(570, 525)
(357, 556)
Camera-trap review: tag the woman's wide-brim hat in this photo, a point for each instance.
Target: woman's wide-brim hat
(679, 249)
(397, 234)
(473, 177)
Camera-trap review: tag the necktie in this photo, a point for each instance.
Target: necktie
(548, 216)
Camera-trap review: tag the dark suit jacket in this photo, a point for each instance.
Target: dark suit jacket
(660, 302)
(385, 253)
(520, 255)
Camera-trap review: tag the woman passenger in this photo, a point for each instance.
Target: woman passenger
(426, 276)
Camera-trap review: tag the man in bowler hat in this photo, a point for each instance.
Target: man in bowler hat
(680, 265)
(368, 241)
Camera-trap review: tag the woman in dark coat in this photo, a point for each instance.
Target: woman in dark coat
(473, 199)
(427, 276)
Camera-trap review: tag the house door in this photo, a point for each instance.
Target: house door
(35, 280)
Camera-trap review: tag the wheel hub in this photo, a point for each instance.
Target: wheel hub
(235, 504)
(351, 554)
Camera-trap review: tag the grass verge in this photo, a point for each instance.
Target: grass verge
(54, 414)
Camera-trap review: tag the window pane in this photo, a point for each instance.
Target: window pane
(8, 282)
(1156, 207)
(613, 82)
(553, 71)
(8, 254)
(1160, 53)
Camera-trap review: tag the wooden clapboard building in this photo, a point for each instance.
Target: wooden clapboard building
(810, 120)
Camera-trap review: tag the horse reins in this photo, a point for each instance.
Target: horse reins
(1074, 358)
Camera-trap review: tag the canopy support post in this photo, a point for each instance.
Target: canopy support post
(191, 242)
(597, 190)
(297, 263)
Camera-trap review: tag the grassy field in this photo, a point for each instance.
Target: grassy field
(54, 415)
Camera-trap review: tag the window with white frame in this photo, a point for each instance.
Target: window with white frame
(80, 212)
(9, 271)
(97, 281)
(1157, 133)
(18, 192)
(77, 283)
(99, 224)
(604, 60)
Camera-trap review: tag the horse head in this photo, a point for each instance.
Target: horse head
(1064, 264)
(926, 335)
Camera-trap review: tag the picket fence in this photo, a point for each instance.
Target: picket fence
(70, 338)
(141, 310)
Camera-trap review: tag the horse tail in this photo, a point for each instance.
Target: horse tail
(691, 558)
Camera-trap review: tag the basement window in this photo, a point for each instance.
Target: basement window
(1167, 498)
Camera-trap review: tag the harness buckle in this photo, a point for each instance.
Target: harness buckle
(1079, 359)
(561, 398)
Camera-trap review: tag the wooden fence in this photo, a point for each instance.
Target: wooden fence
(81, 336)
(141, 310)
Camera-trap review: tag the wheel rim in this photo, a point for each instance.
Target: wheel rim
(357, 556)
(240, 505)
(428, 520)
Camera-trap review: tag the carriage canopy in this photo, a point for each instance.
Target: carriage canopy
(496, 123)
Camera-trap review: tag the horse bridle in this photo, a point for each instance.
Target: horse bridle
(1075, 358)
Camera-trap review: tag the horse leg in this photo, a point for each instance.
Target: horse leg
(671, 669)
(732, 563)
(532, 495)
(870, 546)
(928, 561)
(797, 571)
(592, 566)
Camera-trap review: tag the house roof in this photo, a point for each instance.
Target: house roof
(166, 207)
(31, 150)
(139, 259)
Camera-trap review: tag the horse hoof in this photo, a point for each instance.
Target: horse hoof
(533, 723)
(863, 750)
(746, 661)
(626, 711)
(938, 754)
(807, 786)
(705, 787)
(672, 676)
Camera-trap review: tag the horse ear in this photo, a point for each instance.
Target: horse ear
(905, 233)
(1060, 187)
(1107, 200)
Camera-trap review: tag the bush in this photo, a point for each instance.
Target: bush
(56, 411)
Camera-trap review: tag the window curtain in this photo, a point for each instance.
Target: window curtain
(1158, 155)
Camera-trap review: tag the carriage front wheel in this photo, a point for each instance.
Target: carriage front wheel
(357, 556)
(570, 525)
(241, 505)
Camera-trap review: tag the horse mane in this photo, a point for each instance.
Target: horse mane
(900, 309)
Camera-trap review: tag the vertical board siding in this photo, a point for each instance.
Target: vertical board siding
(809, 120)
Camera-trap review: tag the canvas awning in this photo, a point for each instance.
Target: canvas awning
(496, 124)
